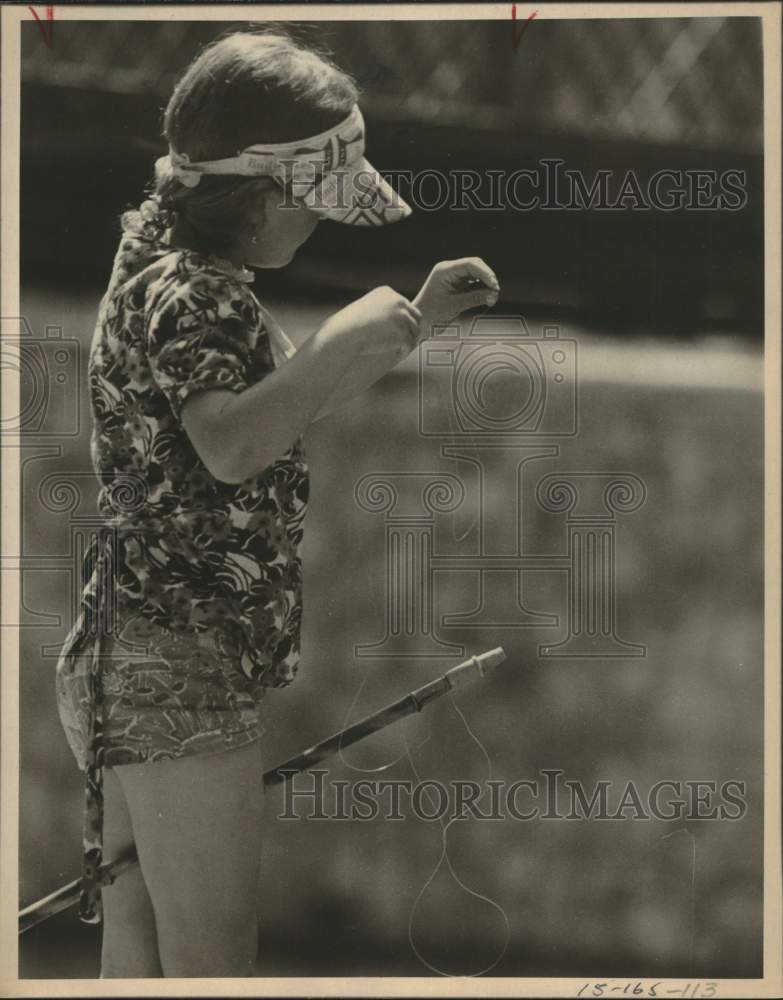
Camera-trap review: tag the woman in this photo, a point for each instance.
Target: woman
(192, 603)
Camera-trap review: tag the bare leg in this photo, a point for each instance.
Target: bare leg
(130, 941)
(197, 825)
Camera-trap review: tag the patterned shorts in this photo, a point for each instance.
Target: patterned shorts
(162, 695)
(165, 695)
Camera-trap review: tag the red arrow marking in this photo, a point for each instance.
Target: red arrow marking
(517, 33)
(47, 35)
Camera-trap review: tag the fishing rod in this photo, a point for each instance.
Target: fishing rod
(465, 672)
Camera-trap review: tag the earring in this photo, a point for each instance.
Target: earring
(254, 239)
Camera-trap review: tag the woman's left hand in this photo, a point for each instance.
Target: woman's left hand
(447, 293)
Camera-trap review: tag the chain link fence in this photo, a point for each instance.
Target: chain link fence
(692, 81)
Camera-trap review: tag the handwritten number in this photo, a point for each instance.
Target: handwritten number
(637, 989)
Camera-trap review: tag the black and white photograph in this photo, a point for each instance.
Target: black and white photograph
(390, 500)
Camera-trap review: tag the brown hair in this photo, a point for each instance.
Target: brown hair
(244, 88)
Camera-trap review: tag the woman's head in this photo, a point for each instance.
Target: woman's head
(246, 88)
(254, 87)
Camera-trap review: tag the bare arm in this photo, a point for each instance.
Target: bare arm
(446, 293)
(238, 434)
(361, 373)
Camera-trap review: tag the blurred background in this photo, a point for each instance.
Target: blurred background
(666, 312)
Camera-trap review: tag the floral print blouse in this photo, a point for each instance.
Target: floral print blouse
(192, 552)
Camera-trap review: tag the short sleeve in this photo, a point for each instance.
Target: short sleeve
(201, 334)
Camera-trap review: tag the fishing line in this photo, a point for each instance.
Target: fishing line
(444, 856)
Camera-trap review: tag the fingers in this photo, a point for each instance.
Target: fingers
(408, 312)
(475, 297)
(474, 267)
(412, 310)
(413, 317)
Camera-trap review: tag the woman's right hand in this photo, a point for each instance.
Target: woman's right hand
(223, 425)
(381, 322)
